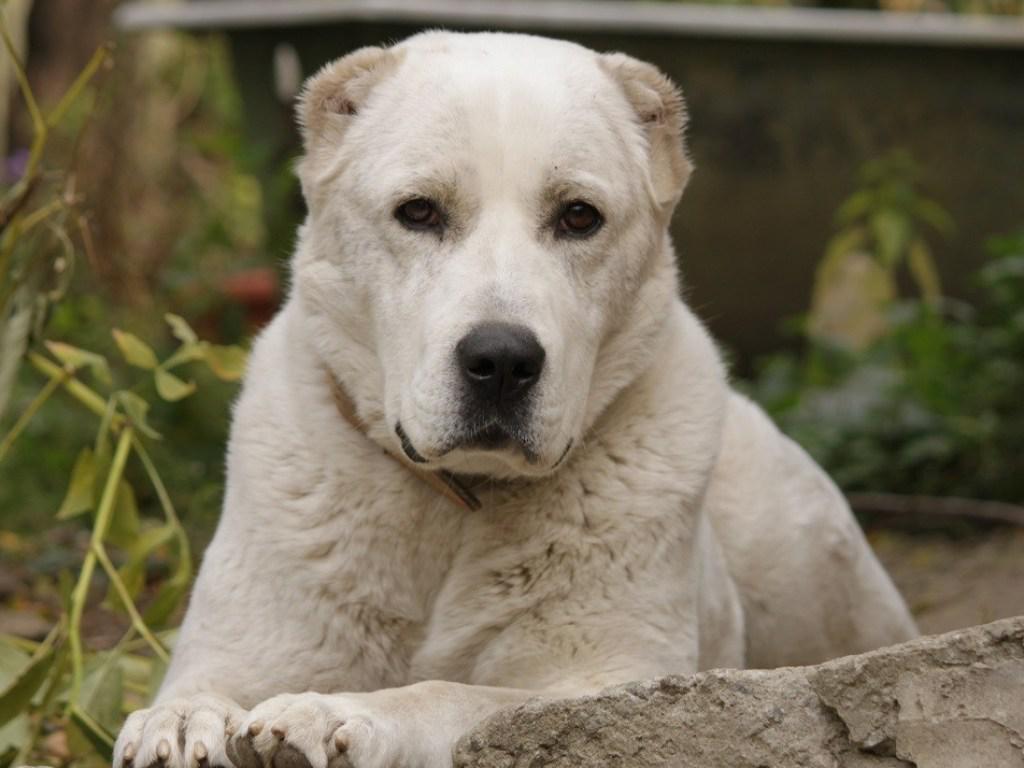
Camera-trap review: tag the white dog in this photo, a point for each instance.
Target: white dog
(485, 297)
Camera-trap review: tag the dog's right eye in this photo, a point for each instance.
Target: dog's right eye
(418, 213)
(579, 220)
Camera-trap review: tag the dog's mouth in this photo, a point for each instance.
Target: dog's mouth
(407, 447)
(489, 437)
(493, 438)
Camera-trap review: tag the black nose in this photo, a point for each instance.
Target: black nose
(500, 362)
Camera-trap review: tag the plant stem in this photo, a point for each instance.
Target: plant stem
(38, 123)
(127, 440)
(99, 56)
(33, 408)
(74, 387)
(129, 604)
(99, 531)
(21, 190)
(39, 214)
(103, 433)
(158, 483)
(184, 548)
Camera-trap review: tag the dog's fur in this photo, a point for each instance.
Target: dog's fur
(643, 520)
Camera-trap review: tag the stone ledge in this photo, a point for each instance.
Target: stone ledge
(953, 700)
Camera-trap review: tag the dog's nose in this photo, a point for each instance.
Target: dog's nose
(500, 362)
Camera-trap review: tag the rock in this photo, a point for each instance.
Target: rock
(953, 700)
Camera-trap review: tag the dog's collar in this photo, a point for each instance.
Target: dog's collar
(445, 483)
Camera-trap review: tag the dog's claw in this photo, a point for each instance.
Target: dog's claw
(279, 732)
(129, 754)
(163, 750)
(199, 752)
(255, 728)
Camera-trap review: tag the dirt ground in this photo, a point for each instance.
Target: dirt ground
(956, 582)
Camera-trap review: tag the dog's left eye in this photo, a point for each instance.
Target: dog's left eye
(579, 219)
(419, 213)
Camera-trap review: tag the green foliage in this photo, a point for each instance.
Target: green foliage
(165, 237)
(882, 230)
(38, 215)
(62, 685)
(83, 691)
(933, 406)
(914, 395)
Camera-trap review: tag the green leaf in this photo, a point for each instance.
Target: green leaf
(19, 689)
(156, 676)
(170, 387)
(181, 329)
(227, 363)
(137, 671)
(16, 732)
(124, 522)
(136, 408)
(186, 353)
(890, 230)
(135, 350)
(175, 588)
(167, 600)
(80, 358)
(103, 691)
(934, 214)
(12, 660)
(133, 572)
(79, 497)
(922, 267)
(102, 459)
(856, 205)
(13, 736)
(851, 239)
(149, 540)
(98, 737)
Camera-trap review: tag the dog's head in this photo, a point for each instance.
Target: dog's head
(485, 263)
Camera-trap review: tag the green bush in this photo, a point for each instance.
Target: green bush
(164, 236)
(108, 459)
(934, 406)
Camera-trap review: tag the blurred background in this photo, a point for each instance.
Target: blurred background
(853, 235)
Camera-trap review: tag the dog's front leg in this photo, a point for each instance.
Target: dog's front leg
(415, 726)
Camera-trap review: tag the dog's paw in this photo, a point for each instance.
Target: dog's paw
(313, 730)
(183, 733)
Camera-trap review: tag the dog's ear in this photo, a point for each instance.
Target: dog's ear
(332, 97)
(659, 106)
